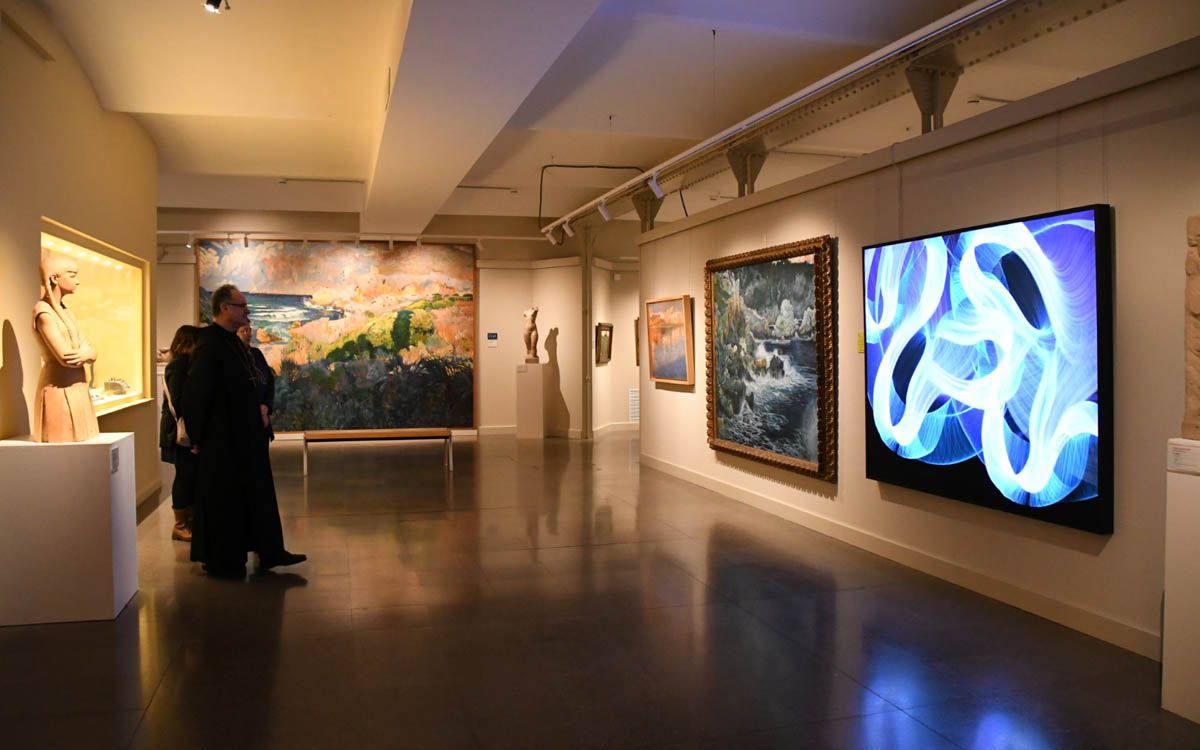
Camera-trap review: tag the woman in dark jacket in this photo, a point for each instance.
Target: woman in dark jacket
(174, 379)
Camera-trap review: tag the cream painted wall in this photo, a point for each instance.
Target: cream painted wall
(1139, 151)
(503, 295)
(623, 299)
(65, 158)
(602, 375)
(177, 295)
(614, 300)
(558, 293)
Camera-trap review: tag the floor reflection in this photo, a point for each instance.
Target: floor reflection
(555, 594)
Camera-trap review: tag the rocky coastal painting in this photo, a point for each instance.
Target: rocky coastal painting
(769, 326)
(361, 336)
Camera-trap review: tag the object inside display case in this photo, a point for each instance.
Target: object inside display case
(108, 307)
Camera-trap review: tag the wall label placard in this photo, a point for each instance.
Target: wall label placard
(1183, 456)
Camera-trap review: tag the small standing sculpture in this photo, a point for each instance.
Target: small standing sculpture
(1191, 336)
(531, 335)
(63, 411)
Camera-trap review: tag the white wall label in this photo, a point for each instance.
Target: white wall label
(1183, 456)
(493, 340)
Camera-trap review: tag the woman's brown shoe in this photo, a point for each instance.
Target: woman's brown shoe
(182, 530)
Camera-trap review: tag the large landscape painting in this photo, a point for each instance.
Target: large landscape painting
(361, 336)
(769, 330)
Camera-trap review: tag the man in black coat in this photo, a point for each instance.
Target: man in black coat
(235, 506)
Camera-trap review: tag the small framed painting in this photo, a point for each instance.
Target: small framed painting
(637, 342)
(669, 340)
(604, 333)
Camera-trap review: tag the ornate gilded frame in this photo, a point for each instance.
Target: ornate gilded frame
(824, 250)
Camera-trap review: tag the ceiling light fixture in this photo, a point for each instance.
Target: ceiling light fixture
(566, 225)
(553, 240)
(246, 240)
(602, 207)
(189, 242)
(214, 6)
(652, 183)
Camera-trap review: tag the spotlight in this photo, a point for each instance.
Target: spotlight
(189, 242)
(246, 240)
(567, 228)
(553, 240)
(652, 183)
(214, 6)
(603, 209)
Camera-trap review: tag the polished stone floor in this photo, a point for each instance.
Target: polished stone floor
(556, 595)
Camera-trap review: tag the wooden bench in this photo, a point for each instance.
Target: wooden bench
(408, 433)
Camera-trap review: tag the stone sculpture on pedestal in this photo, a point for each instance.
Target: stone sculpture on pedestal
(62, 410)
(1191, 334)
(531, 335)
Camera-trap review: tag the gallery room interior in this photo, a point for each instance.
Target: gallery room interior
(626, 373)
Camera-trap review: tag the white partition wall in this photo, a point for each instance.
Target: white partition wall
(1181, 602)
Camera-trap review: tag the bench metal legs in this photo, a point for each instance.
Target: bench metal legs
(447, 460)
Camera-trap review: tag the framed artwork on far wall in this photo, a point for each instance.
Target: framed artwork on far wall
(769, 318)
(604, 333)
(637, 342)
(669, 340)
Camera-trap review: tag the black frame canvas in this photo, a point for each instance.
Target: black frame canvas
(968, 481)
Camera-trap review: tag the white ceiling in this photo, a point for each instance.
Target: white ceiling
(404, 109)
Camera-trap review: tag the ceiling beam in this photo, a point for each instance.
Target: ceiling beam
(465, 68)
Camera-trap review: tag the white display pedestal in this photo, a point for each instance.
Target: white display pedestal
(1181, 605)
(68, 521)
(531, 401)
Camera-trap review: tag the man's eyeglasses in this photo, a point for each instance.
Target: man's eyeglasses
(237, 304)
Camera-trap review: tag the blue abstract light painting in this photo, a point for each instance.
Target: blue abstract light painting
(987, 365)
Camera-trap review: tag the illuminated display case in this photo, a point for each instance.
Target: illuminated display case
(110, 307)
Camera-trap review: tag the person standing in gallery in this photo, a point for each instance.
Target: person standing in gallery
(266, 400)
(236, 510)
(174, 380)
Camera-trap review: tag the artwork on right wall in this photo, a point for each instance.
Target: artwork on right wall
(769, 320)
(989, 365)
(669, 340)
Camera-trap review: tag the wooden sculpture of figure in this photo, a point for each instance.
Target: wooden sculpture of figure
(62, 407)
(1191, 336)
(531, 335)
